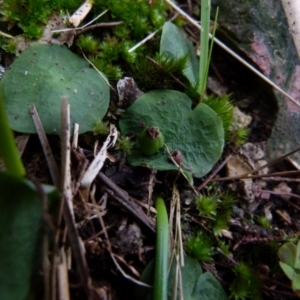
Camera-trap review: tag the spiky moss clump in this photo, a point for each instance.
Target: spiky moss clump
(112, 72)
(239, 136)
(224, 109)
(124, 144)
(207, 205)
(106, 56)
(10, 46)
(200, 247)
(88, 44)
(100, 128)
(247, 283)
(218, 208)
(224, 213)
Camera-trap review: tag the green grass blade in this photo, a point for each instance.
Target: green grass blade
(211, 44)
(162, 251)
(204, 46)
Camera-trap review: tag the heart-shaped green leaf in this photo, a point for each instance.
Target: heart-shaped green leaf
(175, 44)
(21, 230)
(296, 283)
(208, 288)
(189, 273)
(287, 254)
(288, 271)
(297, 261)
(41, 76)
(195, 284)
(197, 133)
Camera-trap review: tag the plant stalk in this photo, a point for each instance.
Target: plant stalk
(162, 252)
(8, 149)
(204, 46)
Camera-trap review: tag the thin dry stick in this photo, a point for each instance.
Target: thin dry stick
(142, 42)
(46, 147)
(62, 277)
(77, 250)
(151, 184)
(232, 53)
(68, 215)
(6, 35)
(292, 12)
(149, 37)
(99, 25)
(178, 226)
(272, 162)
(171, 218)
(214, 173)
(65, 184)
(283, 198)
(176, 238)
(82, 27)
(112, 255)
(125, 200)
(75, 136)
(175, 285)
(99, 72)
(66, 152)
(272, 176)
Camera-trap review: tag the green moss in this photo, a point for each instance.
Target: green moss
(239, 136)
(218, 207)
(29, 15)
(139, 17)
(226, 203)
(247, 283)
(225, 249)
(88, 44)
(200, 247)
(207, 205)
(224, 109)
(221, 223)
(264, 222)
(32, 15)
(100, 128)
(112, 72)
(10, 46)
(124, 144)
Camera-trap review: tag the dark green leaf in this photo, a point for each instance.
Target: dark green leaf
(21, 228)
(41, 76)
(197, 133)
(208, 288)
(190, 274)
(175, 44)
(287, 254)
(196, 285)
